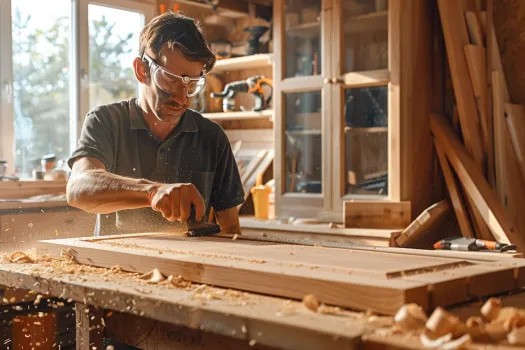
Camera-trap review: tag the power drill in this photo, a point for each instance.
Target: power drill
(253, 85)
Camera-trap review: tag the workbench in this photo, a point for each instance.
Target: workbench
(193, 316)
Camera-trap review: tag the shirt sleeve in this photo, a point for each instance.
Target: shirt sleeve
(96, 140)
(227, 191)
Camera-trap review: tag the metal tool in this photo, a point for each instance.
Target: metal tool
(253, 85)
(201, 228)
(472, 244)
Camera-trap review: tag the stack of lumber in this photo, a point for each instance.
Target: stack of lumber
(483, 158)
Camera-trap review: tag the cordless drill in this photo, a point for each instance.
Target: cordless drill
(253, 85)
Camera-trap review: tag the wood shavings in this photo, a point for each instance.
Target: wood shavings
(153, 277)
(252, 342)
(311, 302)
(330, 310)
(456, 344)
(38, 299)
(19, 257)
(434, 343)
(516, 336)
(411, 317)
(441, 323)
(68, 254)
(490, 310)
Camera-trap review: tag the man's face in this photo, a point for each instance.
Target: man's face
(170, 106)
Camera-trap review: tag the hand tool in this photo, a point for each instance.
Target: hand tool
(201, 228)
(472, 244)
(194, 228)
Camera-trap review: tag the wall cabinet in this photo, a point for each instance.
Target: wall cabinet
(349, 80)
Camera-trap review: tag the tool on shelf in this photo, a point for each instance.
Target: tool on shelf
(255, 35)
(472, 244)
(254, 85)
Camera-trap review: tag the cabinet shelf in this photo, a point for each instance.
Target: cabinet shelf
(311, 132)
(309, 30)
(262, 60)
(375, 21)
(374, 129)
(240, 115)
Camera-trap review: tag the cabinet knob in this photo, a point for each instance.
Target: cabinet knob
(327, 81)
(337, 81)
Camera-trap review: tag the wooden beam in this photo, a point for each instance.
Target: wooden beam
(475, 184)
(515, 117)
(90, 332)
(424, 223)
(373, 214)
(475, 56)
(454, 193)
(477, 35)
(456, 37)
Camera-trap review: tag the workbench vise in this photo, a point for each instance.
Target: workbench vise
(254, 85)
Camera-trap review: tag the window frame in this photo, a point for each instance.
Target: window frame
(79, 63)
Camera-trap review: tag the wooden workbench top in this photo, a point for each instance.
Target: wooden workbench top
(249, 317)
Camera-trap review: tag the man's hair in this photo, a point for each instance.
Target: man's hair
(174, 30)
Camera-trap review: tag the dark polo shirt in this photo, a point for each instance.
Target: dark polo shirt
(197, 151)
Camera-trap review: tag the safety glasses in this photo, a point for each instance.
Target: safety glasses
(171, 83)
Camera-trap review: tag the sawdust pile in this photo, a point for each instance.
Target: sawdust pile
(443, 330)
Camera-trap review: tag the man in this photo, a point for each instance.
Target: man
(149, 159)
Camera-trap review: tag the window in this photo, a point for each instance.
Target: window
(58, 62)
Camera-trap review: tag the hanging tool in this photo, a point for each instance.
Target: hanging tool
(253, 85)
(472, 244)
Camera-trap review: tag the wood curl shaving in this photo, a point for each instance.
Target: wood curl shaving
(153, 277)
(19, 257)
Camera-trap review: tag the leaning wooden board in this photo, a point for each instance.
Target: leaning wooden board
(358, 279)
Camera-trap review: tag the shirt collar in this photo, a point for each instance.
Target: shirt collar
(187, 122)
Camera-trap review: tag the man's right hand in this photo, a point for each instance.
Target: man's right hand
(174, 201)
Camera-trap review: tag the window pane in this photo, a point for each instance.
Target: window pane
(113, 44)
(303, 37)
(366, 140)
(41, 81)
(303, 142)
(365, 38)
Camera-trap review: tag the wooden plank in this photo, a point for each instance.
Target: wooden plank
(456, 37)
(90, 332)
(25, 189)
(268, 320)
(488, 108)
(256, 271)
(515, 117)
(426, 221)
(245, 62)
(475, 56)
(477, 35)
(500, 156)
(239, 115)
(454, 193)
(376, 214)
(475, 185)
(481, 230)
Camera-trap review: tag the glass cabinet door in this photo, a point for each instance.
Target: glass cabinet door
(303, 145)
(303, 37)
(362, 91)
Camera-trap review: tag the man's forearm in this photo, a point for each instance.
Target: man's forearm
(101, 192)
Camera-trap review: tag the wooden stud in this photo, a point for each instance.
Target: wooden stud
(503, 229)
(515, 118)
(363, 214)
(425, 222)
(500, 157)
(474, 27)
(456, 37)
(454, 193)
(90, 331)
(475, 56)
